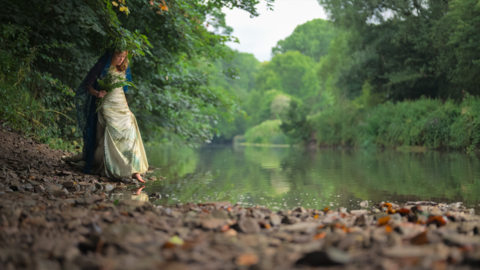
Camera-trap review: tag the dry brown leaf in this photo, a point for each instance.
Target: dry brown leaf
(420, 239)
(247, 259)
(319, 236)
(383, 221)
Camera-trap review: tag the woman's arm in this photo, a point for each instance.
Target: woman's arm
(93, 75)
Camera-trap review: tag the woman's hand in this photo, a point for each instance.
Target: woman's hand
(101, 94)
(98, 94)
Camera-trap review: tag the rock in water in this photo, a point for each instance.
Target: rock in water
(364, 204)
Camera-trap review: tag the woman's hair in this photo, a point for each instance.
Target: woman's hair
(124, 65)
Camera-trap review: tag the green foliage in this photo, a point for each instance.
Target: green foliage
(425, 122)
(112, 81)
(396, 46)
(367, 99)
(295, 124)
(459, 40)
(336, 81)
(335, 126)
(311, 39)
(292, 73)
(235, 75)
(268, 132)
(384, 53)
(173, 99)
(269, 105)
(32, 101)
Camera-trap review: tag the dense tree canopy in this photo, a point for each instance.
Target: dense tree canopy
(372, 52)
(63, 39)
(311, 39)
(235, 76)
(292, 73)
(409, 49)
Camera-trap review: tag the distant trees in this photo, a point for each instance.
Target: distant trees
(311, 39)
(409, 49)
(369, 53)
(291, 72)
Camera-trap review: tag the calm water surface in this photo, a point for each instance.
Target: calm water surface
(283, 178)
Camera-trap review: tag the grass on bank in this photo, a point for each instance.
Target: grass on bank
(424, 122)
(267, 132)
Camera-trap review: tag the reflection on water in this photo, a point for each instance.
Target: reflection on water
(133, 194)
(287, 177)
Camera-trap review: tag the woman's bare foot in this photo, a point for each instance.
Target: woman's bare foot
(138, 177)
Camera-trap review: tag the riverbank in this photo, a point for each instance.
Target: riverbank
(430, 123)
(53, 217)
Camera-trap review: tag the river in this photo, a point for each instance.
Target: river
(286, 177)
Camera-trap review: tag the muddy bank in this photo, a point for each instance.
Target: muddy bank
(53, 217)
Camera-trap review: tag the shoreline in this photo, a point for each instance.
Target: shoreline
(52, 217)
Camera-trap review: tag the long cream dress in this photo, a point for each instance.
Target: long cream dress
(119, 152)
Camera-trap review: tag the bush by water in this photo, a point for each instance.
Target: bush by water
(424, 122)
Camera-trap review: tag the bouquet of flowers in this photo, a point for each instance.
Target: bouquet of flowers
(110, 82)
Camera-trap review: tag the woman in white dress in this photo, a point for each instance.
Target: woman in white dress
(119, 151)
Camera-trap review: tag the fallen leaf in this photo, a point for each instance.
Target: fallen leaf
(383, 221)
(437, 220)
(391, 211)
(420, 239)
(176, 240)
(319, 236)
(388, 205)
(246, 259)
(225, 228)
(173, 242)
(404, 211)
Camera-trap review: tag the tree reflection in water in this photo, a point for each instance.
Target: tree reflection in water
(289, 177)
